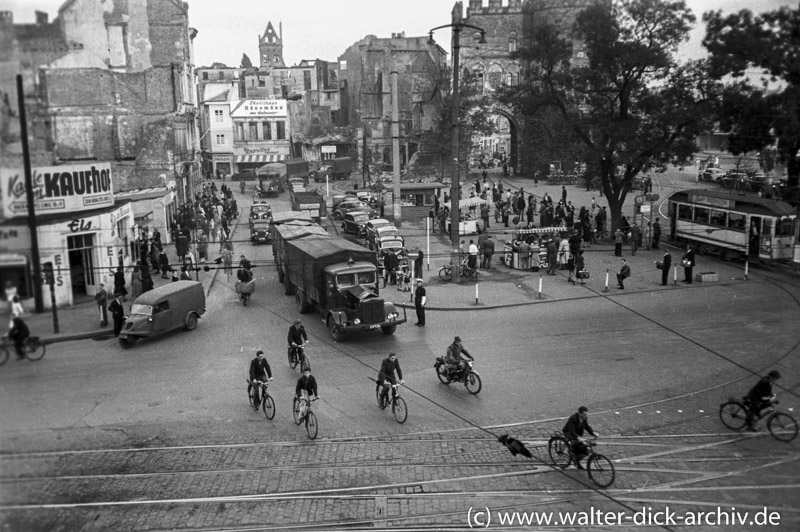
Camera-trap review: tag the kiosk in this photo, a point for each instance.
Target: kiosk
(468, 225)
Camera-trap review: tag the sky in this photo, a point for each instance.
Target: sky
(324, 29)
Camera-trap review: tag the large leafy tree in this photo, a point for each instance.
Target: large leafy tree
(759, 118)
(616, 83)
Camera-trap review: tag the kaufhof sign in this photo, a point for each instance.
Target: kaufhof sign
(58, 189)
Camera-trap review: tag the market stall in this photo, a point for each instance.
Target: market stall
(469, 221)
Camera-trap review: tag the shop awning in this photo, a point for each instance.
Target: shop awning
(467, 202)
(256, 159)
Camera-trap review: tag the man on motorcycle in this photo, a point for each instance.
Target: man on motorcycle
(386, 373)
(454, 361)
(297, 337)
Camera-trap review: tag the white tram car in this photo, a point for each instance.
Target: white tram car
(730, 224)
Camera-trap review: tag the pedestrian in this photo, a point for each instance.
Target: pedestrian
(136, 282)
(472, 262)
(101, 297)
(117, 313)
(485, 215)
(636, 234)
(147, 280)
(564, 194)
(443, 219)
(163, 262)
(119, 283)
(418, 264)
(687, 261)
(420, 298)
(552, 257)
(618, 242)
(563, 254)
(656, 233)
(664, 266)
(623, 274)
(13, 299)
(524, 255)
(626, 230)
(580, 266)
(488, 251)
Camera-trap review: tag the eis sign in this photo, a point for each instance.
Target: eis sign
(58, 189)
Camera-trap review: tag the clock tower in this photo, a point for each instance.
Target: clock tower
(270, 47)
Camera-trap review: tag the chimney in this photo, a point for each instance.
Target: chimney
(41, 18)
(6, 17)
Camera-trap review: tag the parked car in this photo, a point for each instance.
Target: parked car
(761, 181)
(354, 222)
(382, 232)
(163, 309)
(714, 175)
(391, 244)
(735, 180)
(372, 227)
(350, 206)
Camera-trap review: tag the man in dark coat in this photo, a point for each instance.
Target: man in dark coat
(117, 313)
(687, 261)
(420, 298)
(623, 274)
(666, 264)
(573, 430)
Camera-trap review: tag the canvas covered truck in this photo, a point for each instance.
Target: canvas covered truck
(273, 178)
(311, 201)
(342, 168)
(335, 277)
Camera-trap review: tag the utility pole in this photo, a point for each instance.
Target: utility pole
(26, 159)
(397, 211)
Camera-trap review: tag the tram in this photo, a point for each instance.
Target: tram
(734, 225)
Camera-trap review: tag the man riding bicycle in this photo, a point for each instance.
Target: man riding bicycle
(454, 361)
(259, 372)
(297, 337)
(388, 368)
(19, 333)
(573, 430)
(306, 387)
(760, 397)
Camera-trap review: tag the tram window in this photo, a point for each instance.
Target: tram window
(684, 212)
(718, 218)
(736, 222)
(767, 228)
(701, 215)
(785, 227)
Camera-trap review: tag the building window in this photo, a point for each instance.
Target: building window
(512, 42)
(218, 115)
(253, 127)
(307, 80)
(221, 75)
(220, 140)
(205, 76)
(261, 81)
(281, 130)
(240, 131)
(267, 131)
(342, 65)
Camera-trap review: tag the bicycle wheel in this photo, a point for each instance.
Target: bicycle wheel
(35, 350)
(782, 426)
(381, 404)
(399, 410)
(558, 448)
(250, 394)
(733, 414)
(601, 470)
(471, 274)
(473, 383)
(296, 411)
(311, 425)
(268, 406)
(3, 355)
(445, 273)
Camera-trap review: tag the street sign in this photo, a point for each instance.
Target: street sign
(651, 197)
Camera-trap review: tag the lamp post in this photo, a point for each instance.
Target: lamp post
(455, 184)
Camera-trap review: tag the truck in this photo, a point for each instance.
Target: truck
(337, 278)
(288, 217)
(342, 168)
(274, 177)
(311, 201)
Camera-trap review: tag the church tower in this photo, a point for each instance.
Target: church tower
(270, 47)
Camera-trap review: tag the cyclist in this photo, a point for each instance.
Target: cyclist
(454, 361)
(388, 368)
(760, 397)
(259, 372)
(306, 387)
(245, 264)
(573, 430)
(297, 337)
(19, 333)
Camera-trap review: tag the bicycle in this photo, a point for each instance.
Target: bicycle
(782, 426)
(312, 428)
(298, 356)
(398, 403)
(445, 272)
(33, 349)
(267, 402)
(599, 467)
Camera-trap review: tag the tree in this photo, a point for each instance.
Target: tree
(757, 118)
(625, 96)
(246, 63)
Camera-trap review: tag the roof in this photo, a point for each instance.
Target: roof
(422, 186)
(143, 193)
(286, 216)
(742, 202)
(153, 296)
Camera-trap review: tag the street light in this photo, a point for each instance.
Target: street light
(455, 185)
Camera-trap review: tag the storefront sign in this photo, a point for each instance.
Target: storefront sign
(328, 149)
(259, 108)
(58, 189)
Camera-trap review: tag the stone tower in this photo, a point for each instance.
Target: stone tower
(270, 48)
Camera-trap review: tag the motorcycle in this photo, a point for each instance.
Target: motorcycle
(465, 374)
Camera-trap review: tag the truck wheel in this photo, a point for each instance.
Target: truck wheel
(388, 329)
(300, 300)
(128, 342)
(335, 330)
(288, 287)
(191, 322)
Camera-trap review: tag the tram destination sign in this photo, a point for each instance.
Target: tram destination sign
(712, 202)
(58, 189)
